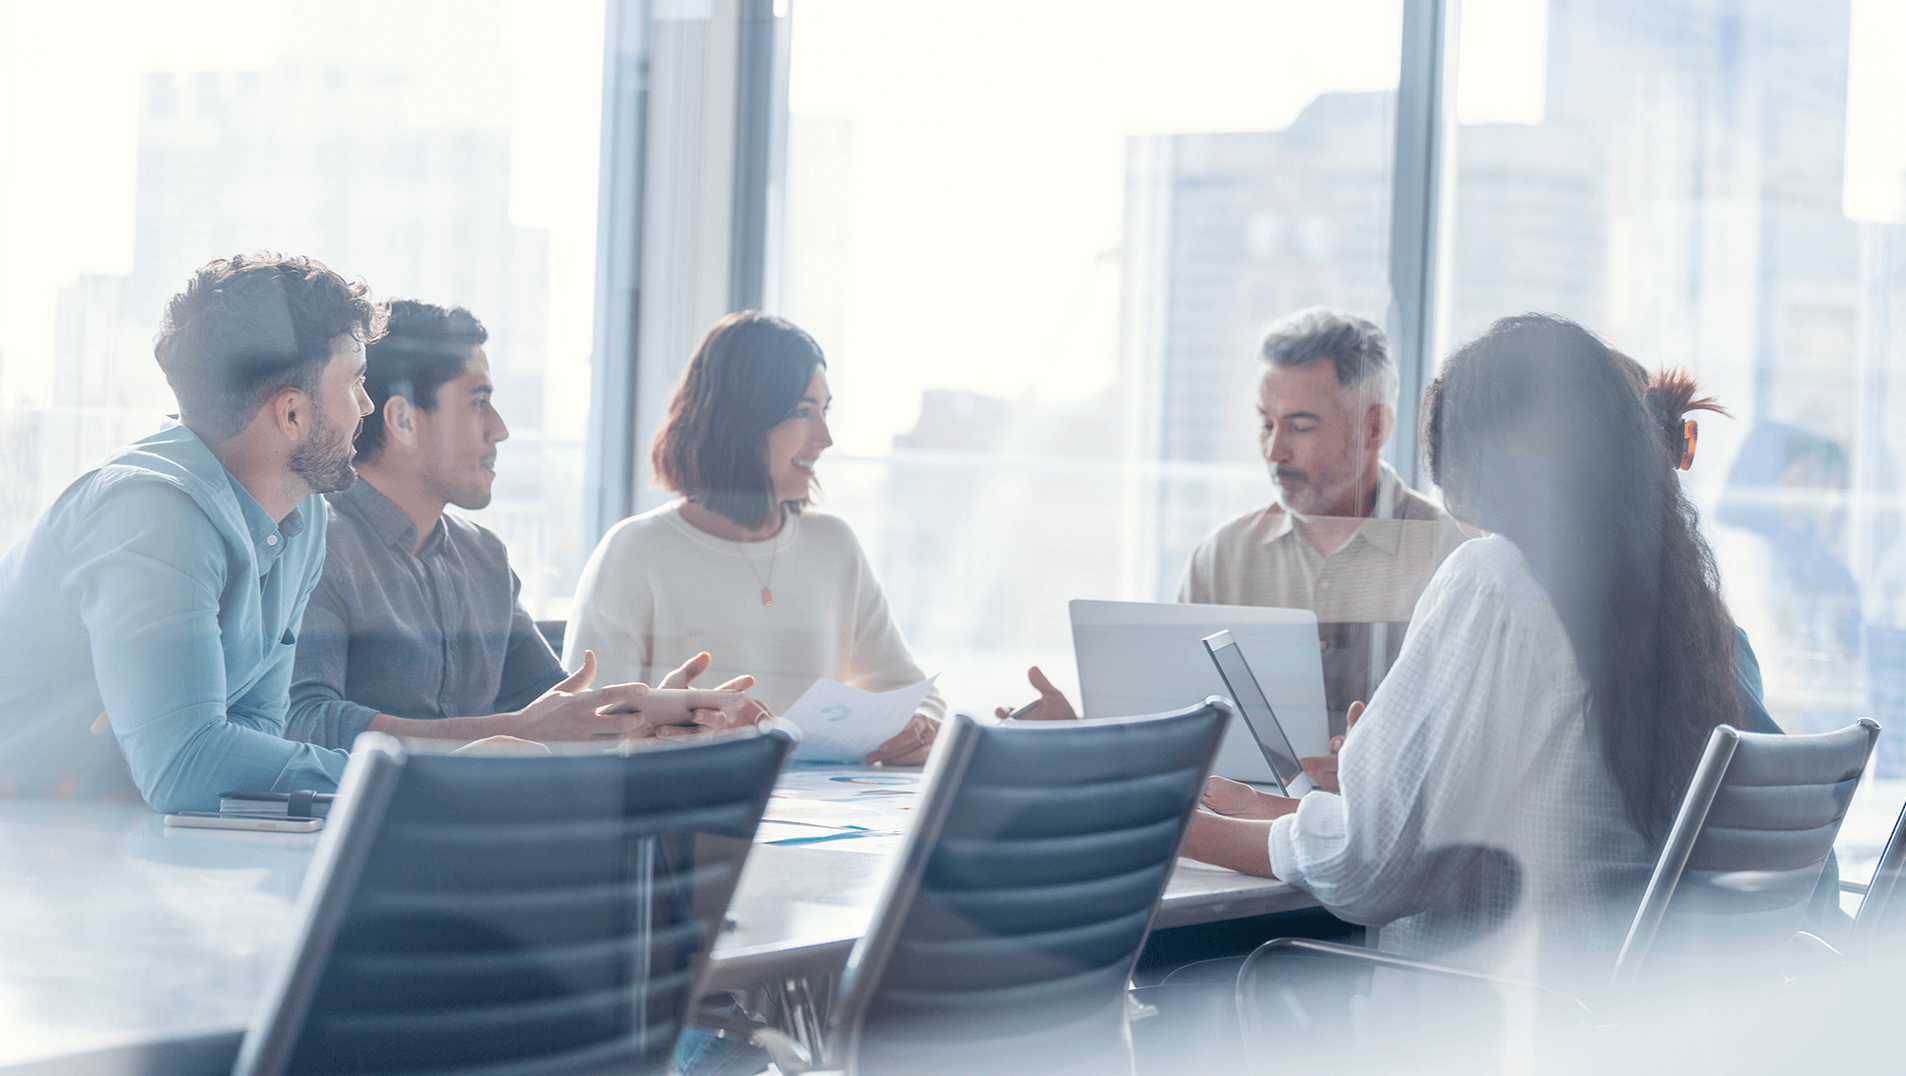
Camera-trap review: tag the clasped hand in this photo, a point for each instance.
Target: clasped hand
(572, 710)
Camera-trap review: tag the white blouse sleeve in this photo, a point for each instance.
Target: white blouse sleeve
(1449, 736)
(881, 660)
(612, 598)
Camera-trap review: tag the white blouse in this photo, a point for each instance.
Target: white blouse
(657, 591)
(1478, 822)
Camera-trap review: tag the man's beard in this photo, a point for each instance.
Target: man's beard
(1321, 491)
(324, 460)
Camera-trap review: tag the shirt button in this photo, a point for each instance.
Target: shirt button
(271, 539)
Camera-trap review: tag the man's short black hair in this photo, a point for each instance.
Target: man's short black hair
(423, 346)
(249, 326)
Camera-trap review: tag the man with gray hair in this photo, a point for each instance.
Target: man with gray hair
(1344, 537)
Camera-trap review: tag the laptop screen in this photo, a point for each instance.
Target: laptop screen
(1255, 708)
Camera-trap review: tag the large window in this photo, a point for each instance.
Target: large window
(444, 151)
(1038, 243)
(1039, 251)
(1721, 188)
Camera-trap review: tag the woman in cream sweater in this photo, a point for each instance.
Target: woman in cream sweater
(739, 566)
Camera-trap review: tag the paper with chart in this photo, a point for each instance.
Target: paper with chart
(842, 724)
(841, 808)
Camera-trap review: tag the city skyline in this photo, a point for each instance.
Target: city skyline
(310, 157)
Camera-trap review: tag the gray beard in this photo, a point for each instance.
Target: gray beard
(1326, 498)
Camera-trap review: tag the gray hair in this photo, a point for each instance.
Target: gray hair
(1354, 345)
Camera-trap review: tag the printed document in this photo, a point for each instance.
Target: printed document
(842, 724)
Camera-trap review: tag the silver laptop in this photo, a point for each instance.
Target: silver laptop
(1145, 657)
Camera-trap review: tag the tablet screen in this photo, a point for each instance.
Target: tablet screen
(1254, 706)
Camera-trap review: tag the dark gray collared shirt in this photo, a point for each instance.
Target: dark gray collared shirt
(438, 633)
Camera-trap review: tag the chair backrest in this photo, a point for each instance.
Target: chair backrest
(1744, 854)
(1026, 886)
(1880, 928)
(543, 914)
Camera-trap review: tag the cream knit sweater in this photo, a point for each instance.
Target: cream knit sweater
(657, 591)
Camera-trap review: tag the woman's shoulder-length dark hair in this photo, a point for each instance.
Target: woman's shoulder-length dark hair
(744, 379)
(1538, 431)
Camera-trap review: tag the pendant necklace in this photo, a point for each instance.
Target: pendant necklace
(767, 590)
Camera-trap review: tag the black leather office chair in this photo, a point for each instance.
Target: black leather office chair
(516, 915)
(1007, 934)
(1744, 855)
(1732, 882)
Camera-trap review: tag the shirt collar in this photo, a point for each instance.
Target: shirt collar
(389, 522)
(268, 535)
(1384, 529)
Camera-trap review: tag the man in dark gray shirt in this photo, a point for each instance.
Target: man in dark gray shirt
(415, 627)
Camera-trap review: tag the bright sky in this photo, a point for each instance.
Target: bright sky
(1876, 113)
(1000, 125)
(1009, 133)
(69, 76)
(996, 125)
(1502, 61)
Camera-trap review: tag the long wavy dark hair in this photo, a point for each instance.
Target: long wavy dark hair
(1538, 431)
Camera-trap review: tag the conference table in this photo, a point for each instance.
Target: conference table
(127, 946)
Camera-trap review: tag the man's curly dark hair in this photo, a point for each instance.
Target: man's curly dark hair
(250, 326)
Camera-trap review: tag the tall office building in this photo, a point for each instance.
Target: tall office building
(1721, 145)
(387, 173)
(1255, 226)
(1225, 233)
(311, 157)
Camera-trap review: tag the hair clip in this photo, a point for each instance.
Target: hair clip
(1690, 435)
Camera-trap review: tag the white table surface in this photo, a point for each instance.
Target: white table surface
(117, 931)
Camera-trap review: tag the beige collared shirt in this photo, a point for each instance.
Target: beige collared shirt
(1363, 592)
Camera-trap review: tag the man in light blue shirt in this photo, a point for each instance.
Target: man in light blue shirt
(149, 619)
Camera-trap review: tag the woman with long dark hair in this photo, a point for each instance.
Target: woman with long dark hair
(1502, 798)
(740, 566)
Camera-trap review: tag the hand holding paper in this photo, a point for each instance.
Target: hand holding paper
(844, 724)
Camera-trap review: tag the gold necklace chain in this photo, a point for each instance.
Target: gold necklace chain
(767, 585)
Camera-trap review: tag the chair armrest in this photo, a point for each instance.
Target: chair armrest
(789, 1056)
(1246, 989)
(1814, 953)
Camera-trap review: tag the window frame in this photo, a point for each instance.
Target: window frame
(694, 145)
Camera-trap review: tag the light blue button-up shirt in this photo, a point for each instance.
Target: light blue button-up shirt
(159, 591)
